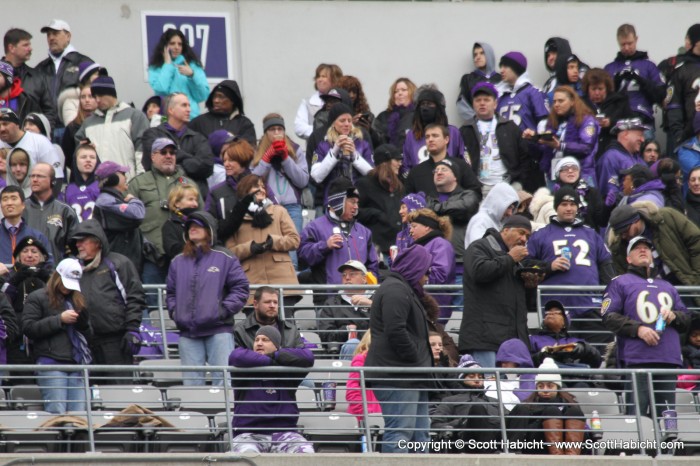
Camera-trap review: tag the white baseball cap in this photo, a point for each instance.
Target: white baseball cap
(353, 264)
(56, 25)
(70, 272)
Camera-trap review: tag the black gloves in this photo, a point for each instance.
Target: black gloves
(259, 248)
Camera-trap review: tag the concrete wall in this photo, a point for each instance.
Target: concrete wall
(281, 42)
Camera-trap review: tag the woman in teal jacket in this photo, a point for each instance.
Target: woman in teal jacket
(174, 67)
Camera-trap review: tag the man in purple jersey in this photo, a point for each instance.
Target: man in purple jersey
(590, 263)
(634, 303)
(637, 76)
(520, 101)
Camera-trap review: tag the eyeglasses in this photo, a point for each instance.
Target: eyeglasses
(167, 152)
(569, 168)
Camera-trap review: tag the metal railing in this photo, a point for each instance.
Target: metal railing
(190, 419)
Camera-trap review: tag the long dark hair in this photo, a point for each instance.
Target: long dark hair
(387, 178)
(56, 298)
(187, 52)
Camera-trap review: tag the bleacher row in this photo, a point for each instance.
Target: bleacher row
(152, 416)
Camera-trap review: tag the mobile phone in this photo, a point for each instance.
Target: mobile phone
(545, 136)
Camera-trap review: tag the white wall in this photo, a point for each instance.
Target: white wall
(282, 42)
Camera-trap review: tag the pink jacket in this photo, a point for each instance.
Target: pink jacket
(353, 395)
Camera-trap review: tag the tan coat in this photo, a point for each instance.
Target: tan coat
(272, 267)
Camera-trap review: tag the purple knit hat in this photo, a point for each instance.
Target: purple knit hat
(515, 61)
(414, 201)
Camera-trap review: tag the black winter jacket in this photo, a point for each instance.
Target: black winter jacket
(379, 211)
(244, 333)
(238, 125)
(67, 75)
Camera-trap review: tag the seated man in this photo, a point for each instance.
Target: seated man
(347, 312)
(265, 414)
(553, 341)
(470, 415)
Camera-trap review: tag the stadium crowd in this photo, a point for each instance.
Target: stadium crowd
(563, 184)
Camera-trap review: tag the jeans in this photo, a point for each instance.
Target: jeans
(406, 418)
(294, 211)
(664, 394)
(62, 391)
(458, 299)
(213, 350)
(348, 348)
(153, 275)
(484, 358)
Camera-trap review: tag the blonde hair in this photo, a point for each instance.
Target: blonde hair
(444, 222)
(178, 193)
(332, 135)
(364, 343)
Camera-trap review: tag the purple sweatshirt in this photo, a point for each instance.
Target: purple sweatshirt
(609, 166)
(578, 141)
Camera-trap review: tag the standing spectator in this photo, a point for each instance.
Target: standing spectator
(520, 101)
(322, 123)
(692, 198)
(264, 239)
(590, 262)
(18, 50)
(344, 317)
(682, 107)
(266, 312)
(175, 67)
(60, 68)
(153, 188)
(430, 109)
(225, 105)
(18, 164)
(206, 287)
(568, 72)
(689, 151)
(573, 131)
(608, 107)
(362, 115)
(494, 295)
(183, 201)
(651, 151)
(56, 320)
(553, 47)
(639, 184)
(621, 155)
(115, 129)
(484, 60)
(400, 339)
(13, 227)
(56, 220)
(115, 299)
(119, 213)
(591, 208)
(434, 233)
(437, 141)
(82, 189)
(675, 238)
(500, 203)
(265, 414)
(325, 79)
(343, 154)
(410, 203)
(193, 150)
(391, 125)
(282, 165)
(637, 76)
(495, 145)
(632, 305)
(548, 417)
(221, 199)
(380, 197)
(38, 147)
(12, 94)
(39, 124)
(30, 272)
(336, 237)
(88, 105)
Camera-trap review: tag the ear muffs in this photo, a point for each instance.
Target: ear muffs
(111, 180)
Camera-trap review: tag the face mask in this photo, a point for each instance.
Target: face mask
(428, 114)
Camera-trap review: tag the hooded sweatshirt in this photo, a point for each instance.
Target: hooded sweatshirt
(235, 123)
(81, 193)
(469, 80)
(522, 103)
(514, 350)
(563, 48)
(490, 214)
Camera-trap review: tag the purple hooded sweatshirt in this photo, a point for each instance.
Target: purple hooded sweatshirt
(514, 350)
(413, 264)
(576, 141)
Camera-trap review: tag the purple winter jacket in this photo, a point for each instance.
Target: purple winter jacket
(641, 96)
(514, 350)
(344, 167)
(580, 142)
(265, 406)
(357, 245)
(609, 166)
(204, 292)
(414, 151)
(442, 269)
(652, 191)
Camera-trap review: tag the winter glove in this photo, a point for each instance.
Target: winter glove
(269, 154)
(261, 219)
(257, 248)
(131, 343)
(268, 243)
(21, 275)
(280, 148)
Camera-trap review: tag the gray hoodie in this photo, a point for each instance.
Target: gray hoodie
(490, 214)
(464, 108)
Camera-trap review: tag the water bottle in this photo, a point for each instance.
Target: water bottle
(596, 426)
(660, 324)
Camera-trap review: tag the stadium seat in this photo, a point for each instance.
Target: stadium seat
(207, 400)
(160, 378)
(596, 399)
(19, 433)
(116, 397)
(191, 433)
(686, 402)
(625, 429)
(305, 319)
(331, 432)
